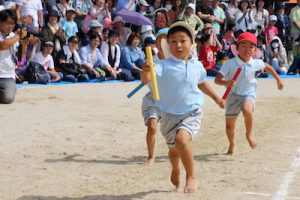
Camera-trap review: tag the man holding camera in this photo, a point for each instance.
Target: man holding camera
(8, 49)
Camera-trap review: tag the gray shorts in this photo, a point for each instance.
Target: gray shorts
(235, 102)
(149, 108)
(170, 124)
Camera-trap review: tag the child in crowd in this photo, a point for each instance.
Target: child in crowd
(69, 26)
(191, 18)
(179, 79)
(150, 110)
(243, 92)
(45, 59)
(208, 51)
(271, 30)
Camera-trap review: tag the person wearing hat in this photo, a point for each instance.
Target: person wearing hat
(69, 26)
(242, 96)
(271, 30)
(191, 18)
(143, 7)
(46, 60)
(118, 24)
(182, 85)
(53, 32)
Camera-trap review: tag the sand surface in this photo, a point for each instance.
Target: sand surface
(87, 142)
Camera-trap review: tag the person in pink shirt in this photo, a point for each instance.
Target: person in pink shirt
(271, 30)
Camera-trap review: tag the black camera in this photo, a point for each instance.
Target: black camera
(259, 27)
(29, 33)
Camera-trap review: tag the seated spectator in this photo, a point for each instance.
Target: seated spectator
(104, 34)
(208, 51)
(282, 23)
(81, 8)
(276, 56)
(111, 52)
(261, 15)
(69, 63)
(271, 30)
(132, 57)
(69, 26)
(191, 18)
(52, 32)
(92, 59)
(45, 59)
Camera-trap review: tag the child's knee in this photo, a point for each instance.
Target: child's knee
(182, 138)
(152, 125)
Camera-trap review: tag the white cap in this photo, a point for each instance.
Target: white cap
(143, 2)
(272, 18)
(191, 5)
(119, 19)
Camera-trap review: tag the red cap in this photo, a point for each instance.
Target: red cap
(247, 37)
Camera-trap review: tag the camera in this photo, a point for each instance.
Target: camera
(29, 33)
(259, 27)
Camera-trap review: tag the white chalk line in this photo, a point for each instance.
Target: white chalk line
(269, 195)
(288, 179)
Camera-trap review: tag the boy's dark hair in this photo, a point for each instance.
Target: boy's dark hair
(131, 37)
(93, 35)
(8, 13)
(179, 29)
(113, 33)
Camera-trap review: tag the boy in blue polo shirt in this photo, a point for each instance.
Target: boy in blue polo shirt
(243, 92)
(179, 79)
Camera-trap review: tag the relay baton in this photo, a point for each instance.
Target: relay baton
(236, 75)
(135, 90)
(152, 74)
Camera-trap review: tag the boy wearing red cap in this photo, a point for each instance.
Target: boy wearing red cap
(243, 93)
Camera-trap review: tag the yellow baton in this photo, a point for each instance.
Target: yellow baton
(152, 74)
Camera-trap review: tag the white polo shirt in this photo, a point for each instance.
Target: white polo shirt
(7, 65)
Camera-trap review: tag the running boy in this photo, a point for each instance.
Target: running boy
(242, 95)
(179, 79)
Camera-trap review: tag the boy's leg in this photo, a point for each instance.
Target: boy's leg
(230, 126)
(174, 159)
(151, 130)
(182, 140)
(247, 112)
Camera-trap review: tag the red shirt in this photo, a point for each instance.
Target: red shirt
(208, 56)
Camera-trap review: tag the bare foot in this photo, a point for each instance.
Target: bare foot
(149, 161)
(230, 150)
(252, 142)
(175, 178)
(191, 185)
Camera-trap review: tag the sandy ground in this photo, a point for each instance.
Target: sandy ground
(87, 142)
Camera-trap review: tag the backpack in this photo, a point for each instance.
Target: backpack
(36, 73)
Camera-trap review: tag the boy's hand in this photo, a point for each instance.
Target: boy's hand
(146, 66)
(280, 85)
(220, 102)
(230, 83)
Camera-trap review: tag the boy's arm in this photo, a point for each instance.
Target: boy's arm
(270, 70)
(220, 81)
(209, 91)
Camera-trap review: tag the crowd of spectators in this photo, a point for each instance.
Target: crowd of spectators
(80, 40)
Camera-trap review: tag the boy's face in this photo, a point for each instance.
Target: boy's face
(246, 49)
(272, 23)
(180, 45)
(7, 26)
(71, 15)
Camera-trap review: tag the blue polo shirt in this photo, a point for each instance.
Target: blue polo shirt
(246, 83)
(178, 85)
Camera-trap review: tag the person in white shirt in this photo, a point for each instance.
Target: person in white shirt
(45, 59)
(111, 52)
(8, 49)
(34, 7)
